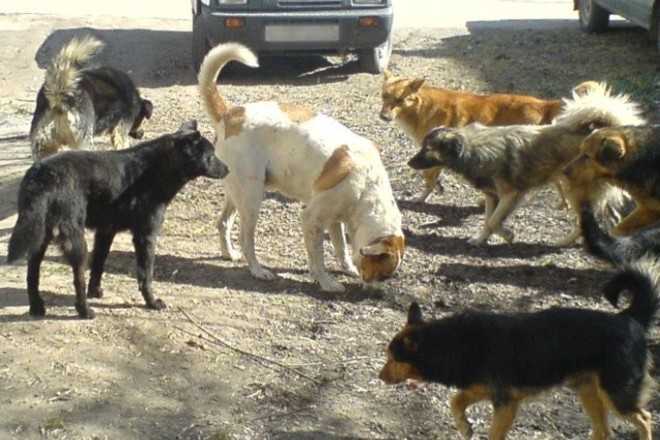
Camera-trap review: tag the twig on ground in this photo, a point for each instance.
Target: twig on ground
(254, 356)
(15, 137)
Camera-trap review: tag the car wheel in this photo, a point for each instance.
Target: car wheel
(593, 17)
(375, 60)
(200, 46)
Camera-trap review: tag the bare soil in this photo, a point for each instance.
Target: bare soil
(134, 373)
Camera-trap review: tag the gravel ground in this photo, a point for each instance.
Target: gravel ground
(133, 373)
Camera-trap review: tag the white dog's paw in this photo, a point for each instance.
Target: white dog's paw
(330, 285)
(349, 269)
(231, 255)
(262, 273)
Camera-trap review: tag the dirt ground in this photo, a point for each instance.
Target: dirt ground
(137, 374)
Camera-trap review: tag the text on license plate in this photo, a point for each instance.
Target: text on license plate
(285, 33)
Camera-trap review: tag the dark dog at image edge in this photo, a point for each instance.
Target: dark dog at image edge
(109, 191)
(627, 157)
(505, 358)
(78, 101)
(617, 251)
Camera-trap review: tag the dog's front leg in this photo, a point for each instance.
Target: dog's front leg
(102, 244)
(145, 247)
(459, 404)
(494, 224)
(313, 232)
(338, 238)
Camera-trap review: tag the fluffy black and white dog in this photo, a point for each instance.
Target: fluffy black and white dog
(108, 191)
(78, 101)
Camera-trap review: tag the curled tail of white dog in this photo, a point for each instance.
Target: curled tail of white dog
(215, 60)
(593, 105)
(63, 74)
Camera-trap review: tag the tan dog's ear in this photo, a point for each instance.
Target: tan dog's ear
(416, 84)
(387, 75)
(414, 314)
(611, 149)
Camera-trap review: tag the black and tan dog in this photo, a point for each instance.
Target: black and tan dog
(628, 157)
(506, 358)
(77, 102)
(108, 191)
(505, 163)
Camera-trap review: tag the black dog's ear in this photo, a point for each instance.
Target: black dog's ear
(611, 149)
(147, 108)
(414, 314)
(188, 126)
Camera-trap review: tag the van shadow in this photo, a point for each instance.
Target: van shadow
(539, 57)
(157, 58)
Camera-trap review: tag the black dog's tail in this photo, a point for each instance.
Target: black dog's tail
(642, 280)
(596, 241)
(63, 74)
(28, 234)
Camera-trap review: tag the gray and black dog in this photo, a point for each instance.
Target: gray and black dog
(78, 101)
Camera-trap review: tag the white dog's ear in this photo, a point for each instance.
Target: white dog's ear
(374, 249)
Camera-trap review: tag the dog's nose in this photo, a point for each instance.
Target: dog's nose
(387, 117)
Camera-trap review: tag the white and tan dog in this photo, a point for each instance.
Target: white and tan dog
(308, 157)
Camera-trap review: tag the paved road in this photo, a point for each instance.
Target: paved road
(409, 13)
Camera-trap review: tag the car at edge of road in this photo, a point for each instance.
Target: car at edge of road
(292, 27)
(595, 14)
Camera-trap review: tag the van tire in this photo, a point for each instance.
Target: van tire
(593, 17)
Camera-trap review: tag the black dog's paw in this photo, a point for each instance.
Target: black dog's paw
(157, 304)
(38, 310)
(95, 292)
(85, 312)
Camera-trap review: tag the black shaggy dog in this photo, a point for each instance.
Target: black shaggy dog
(617, 250)
(505, 358)
(78, 101)
(109, 192)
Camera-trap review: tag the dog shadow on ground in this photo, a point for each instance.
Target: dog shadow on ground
(437, 244)
(157, 58)
(547, 279)
(448, 215)
(203, 272)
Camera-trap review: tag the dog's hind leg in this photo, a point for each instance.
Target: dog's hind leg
(595, 408)
(225, 224)
(503, 416)
(313, 220)
(459, 404)
(74, 247)
(338, 238)
(248, 206)
(102, 243)
(37, 307)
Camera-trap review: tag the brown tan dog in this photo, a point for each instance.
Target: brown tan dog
(418, 108)
(628, 157)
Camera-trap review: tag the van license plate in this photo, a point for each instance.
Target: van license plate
(293, 33)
